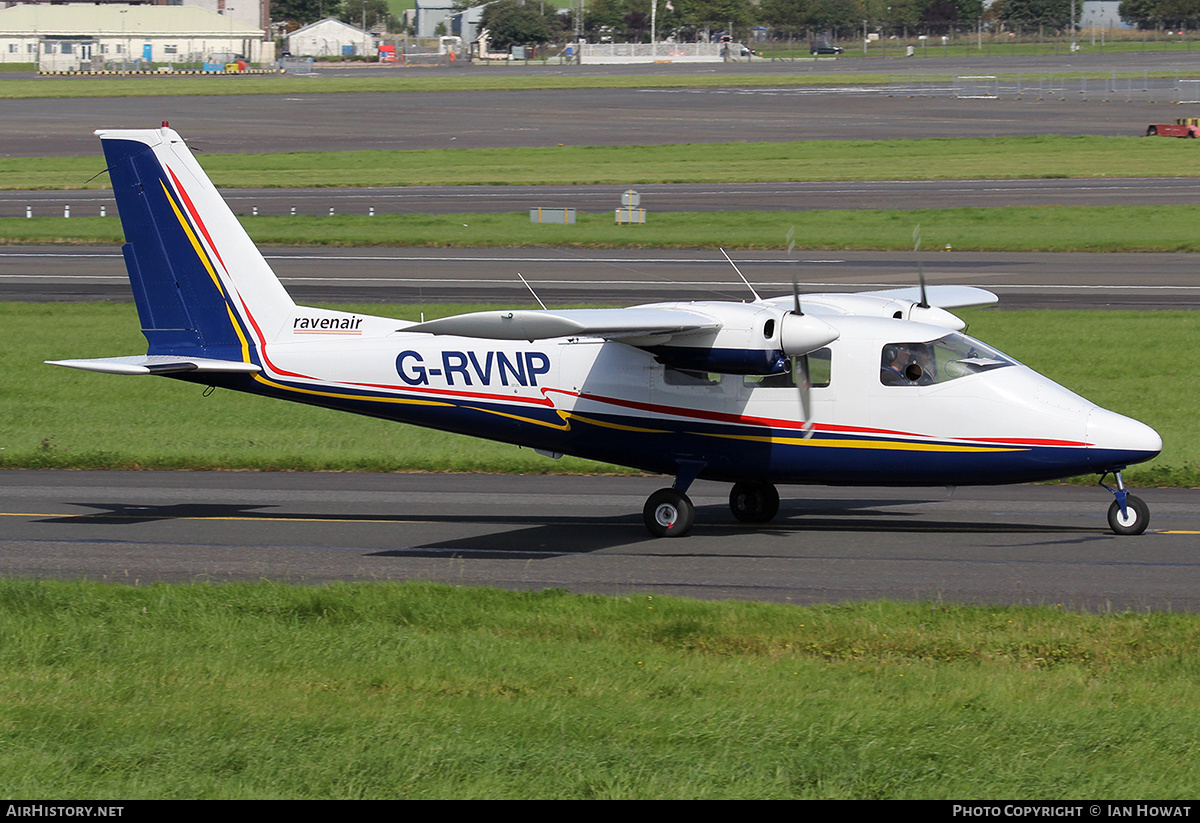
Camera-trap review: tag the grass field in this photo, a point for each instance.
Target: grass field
(62, 418)
(404, 80)
(430, 691)
(497, 77)
(931, 159)
(1008, 228)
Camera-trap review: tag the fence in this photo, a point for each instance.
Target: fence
(1111, 85)
(663, 52)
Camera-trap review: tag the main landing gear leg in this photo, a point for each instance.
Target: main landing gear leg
(669, 512)
(1127, 514)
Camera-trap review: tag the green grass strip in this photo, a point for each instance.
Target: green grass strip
(1008, 228)
(497, 77)
(929, 159)
(424, 691)
(63, 418)
(405, 80)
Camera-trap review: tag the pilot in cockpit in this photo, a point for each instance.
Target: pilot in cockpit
(906, 364)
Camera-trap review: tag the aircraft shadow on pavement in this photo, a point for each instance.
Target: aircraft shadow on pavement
(536, 537)
(560, 536)
(123, 514)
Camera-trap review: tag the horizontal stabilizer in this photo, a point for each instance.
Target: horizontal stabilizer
(156, 364)
(543, 325)
(942, 297)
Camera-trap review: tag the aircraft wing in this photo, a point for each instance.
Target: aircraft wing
(942, 297)
(155, 364)
(611, 324)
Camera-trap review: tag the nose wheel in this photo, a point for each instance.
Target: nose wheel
(1128, 514)
(669, 513)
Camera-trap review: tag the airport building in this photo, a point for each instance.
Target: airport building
(90, 36)
(330, 38)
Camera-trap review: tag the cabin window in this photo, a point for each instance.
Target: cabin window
(939, 361)
(687, 377)
(819, 373)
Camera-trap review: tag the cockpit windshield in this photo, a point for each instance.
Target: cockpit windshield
(939, 361)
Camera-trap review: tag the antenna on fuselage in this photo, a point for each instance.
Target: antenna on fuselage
(531, 291)
(757, 299)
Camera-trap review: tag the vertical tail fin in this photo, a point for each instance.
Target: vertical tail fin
(201, 286)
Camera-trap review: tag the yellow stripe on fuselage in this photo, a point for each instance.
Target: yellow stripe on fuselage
(885, 445)
(407, 401)
(618, 426)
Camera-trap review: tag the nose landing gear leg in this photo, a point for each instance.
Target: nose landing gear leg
(1127, 514)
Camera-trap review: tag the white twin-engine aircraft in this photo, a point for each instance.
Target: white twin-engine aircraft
(879, 388)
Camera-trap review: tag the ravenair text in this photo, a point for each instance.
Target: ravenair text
(342, 324)
(471, 368)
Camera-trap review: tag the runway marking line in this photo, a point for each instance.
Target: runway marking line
(278, 519)
(265, 518)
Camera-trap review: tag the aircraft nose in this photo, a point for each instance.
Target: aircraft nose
(1116, 432)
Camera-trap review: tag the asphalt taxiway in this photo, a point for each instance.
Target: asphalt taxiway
(1033, 545)
(622, 277)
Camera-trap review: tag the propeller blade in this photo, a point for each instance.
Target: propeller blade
(804, 386)
(796, 296)
(921, 278)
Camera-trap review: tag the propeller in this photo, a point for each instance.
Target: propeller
(802, 333)
(799, 335)
(924, 304)
(922, 311)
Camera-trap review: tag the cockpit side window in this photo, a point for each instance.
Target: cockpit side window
(939, 361)
(688, 377)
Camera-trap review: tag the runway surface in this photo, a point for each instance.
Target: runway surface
(1040, 545)
(614, 277)
(40, 127)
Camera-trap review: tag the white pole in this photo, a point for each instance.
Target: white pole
(654, 31)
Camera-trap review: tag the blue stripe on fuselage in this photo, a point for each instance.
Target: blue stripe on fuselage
(730, 452)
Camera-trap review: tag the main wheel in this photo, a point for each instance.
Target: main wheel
(669, 513)
(1137, 516)
(754, 502)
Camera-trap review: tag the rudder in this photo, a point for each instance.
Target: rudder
(201, 286)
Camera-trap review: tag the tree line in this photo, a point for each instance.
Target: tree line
(518, 22)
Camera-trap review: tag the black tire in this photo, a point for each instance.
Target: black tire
(1152, 131)
(669, 513)
(1137, 516)
(754, 502)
